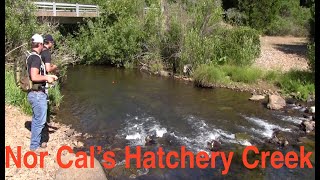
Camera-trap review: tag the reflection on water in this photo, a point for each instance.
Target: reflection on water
(127, 105)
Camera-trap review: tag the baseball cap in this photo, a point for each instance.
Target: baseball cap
(48, 37)
(37, 38)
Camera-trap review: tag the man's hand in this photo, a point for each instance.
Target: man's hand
(55, 69)
(51, 78)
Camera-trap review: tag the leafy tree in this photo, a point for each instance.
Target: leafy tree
(20, 23)
(261, 13)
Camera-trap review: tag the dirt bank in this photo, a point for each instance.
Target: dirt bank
(17, 133)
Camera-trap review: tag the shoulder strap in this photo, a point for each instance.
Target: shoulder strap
(42, 63)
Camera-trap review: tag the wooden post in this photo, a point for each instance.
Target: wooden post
(77, 9)
(54, 9)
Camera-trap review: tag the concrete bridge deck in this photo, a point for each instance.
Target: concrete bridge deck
(65, 13)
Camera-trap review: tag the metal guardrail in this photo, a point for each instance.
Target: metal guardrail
(66, 9)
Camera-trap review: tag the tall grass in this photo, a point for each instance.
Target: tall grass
(55, 96)
(243, 74)
(16, 97)
(207, 74)
(299, 84)
(13, 95)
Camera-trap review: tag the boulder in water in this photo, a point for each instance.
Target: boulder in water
(312, 109)
(276, 102)
(307, 116)
(164, 73)
(150, 139)
(80, 173)
(308, 125)
(214, 145)
(291, 101)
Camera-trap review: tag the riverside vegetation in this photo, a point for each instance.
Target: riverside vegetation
(218, 39)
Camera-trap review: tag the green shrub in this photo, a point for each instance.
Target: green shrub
(20, 23)
(171, 43)
(240, 45)
(276, 17)
(299, 83)
(292, 19)
(235, 17)
(114, 38)
(205, 14)
(259, 13)
(154, 61)
(116, 44)
(198, 50)
(206, 75)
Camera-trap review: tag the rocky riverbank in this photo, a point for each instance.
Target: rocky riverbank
(17, 133)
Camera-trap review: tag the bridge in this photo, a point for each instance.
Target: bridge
(65, 13)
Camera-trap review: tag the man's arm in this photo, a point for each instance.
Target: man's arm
(36, 77)
(46, 56)
(50, 67)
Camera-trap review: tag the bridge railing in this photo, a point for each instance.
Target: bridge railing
(66, 9)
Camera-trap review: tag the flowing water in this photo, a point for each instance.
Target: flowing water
(121, 107)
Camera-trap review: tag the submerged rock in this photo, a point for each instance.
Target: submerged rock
(242, 136)
(279, 138)
(309, 146)
(164, 73)
(276, 102)
(122, 171)
(256, 97)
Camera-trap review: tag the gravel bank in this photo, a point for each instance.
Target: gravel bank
(282, 53)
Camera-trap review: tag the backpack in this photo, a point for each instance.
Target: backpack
(21, 73)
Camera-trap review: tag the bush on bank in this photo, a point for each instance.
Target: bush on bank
(185, 33)
(270, 17)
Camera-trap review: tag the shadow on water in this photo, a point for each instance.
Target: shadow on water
(121, 108)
